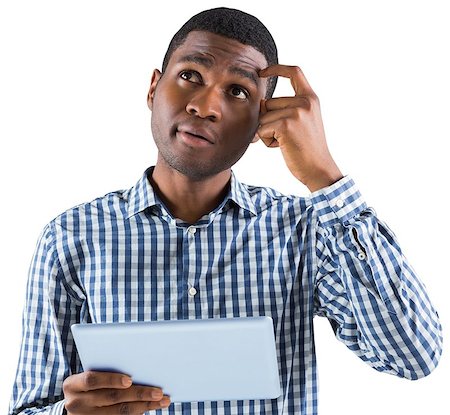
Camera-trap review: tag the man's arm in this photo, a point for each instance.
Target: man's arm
(376, 304)
(364, 284)
(47, 352)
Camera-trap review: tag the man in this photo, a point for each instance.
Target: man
(189, 241)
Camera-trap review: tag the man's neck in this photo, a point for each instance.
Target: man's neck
(187, 199)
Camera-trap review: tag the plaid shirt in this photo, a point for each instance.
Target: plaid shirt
(123, 257)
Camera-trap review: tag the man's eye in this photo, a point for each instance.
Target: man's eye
(190, 76)
(239, 92)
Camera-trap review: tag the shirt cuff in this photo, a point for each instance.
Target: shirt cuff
(58, 408)
(339, 203)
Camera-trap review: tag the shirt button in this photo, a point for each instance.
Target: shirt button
(361, 256)
(192, 291)
(339, 203)
(192, 230)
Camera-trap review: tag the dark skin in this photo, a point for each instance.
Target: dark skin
(207, 108)
(105, 393)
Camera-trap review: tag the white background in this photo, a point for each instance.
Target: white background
(74, 126)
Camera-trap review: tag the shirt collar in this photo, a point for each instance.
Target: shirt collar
(240, 194)
(142, 195)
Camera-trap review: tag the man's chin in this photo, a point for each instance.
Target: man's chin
(195, 171)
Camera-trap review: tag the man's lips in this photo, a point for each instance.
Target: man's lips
(193, 140)
(195, 132)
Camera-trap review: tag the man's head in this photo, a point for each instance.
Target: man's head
(233, 24)
(206, 102)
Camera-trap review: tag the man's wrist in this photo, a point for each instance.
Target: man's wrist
(325, 179)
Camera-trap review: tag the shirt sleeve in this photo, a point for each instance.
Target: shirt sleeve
(47, 354)
(365, 286)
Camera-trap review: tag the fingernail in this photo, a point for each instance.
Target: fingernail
(126, 381)
(157, 394)
(165, 401)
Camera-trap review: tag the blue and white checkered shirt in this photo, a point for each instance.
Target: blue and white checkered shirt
(124, 257)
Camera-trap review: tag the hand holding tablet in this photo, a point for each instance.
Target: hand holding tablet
(109, 393)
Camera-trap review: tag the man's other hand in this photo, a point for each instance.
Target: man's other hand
(110, 393)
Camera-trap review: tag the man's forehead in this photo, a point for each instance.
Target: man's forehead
(211, 47)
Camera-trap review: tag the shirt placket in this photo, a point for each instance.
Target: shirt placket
(190, 289)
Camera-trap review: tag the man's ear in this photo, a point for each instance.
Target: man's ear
(156, 75)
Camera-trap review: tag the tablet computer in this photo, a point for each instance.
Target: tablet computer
(191, 360)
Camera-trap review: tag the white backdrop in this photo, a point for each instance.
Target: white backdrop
(75, 125)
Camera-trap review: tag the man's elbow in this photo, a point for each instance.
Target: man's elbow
(424, 364)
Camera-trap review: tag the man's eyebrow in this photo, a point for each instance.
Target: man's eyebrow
(201, 60)
(236, 70)
(208, 63)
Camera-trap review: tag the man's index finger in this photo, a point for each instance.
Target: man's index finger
(294, 73)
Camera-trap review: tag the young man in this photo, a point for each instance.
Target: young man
(189, 241)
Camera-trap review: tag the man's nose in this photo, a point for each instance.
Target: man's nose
(206, 103)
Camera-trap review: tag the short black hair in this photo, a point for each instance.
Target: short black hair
(233, 24)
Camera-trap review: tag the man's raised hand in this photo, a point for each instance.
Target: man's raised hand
(295, 125)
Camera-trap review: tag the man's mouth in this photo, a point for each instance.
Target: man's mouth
(193, 139)
(196, 133)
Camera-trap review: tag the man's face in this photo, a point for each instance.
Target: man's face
(205, 107)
